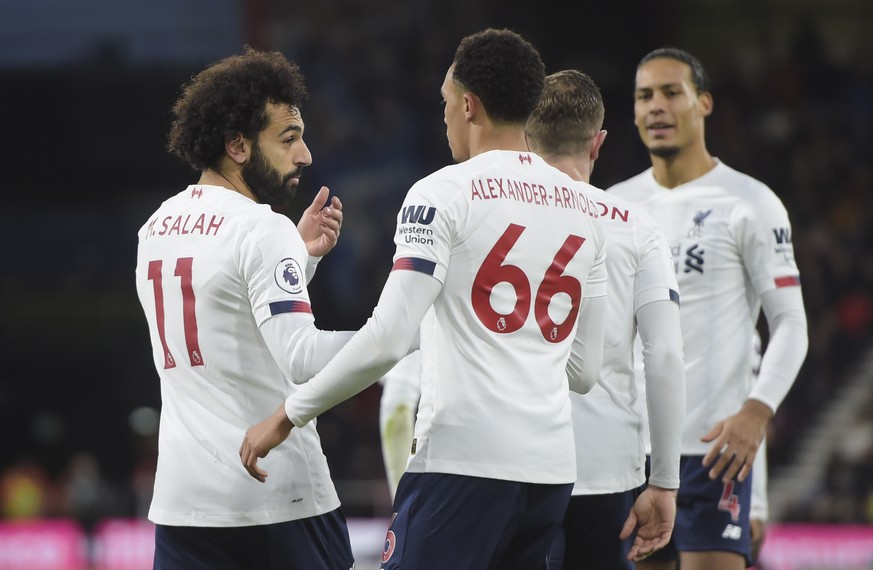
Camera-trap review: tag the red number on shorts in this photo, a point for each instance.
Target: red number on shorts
(189, 316)
(730, 502)
(494, 271)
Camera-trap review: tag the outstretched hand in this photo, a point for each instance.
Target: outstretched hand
(736, 441)
(261, 438)
(653, 516)
(320, 224)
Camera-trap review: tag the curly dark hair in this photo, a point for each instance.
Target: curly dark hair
(569, 114)
(230, 97)
(698, 74)
(504, 70)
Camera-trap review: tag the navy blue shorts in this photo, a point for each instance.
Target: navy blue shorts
(461, 522)
(589, 536)
(710, 515)
(316, 542)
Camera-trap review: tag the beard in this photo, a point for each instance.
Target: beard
(664, 151)
(266, 183)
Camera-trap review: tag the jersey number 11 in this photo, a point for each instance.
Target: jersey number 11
(189, 317)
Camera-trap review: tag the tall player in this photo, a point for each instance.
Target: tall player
(500, 261)
(565, 129)
(731, 242)
(222, 280)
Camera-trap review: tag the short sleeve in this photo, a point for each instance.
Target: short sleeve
(764, 236)
(596, 284)
(426, 228)
(655, 279)
(273, 261)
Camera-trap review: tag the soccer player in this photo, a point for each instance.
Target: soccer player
(565, 129)
(222, 280)
(398, 405)
(500, 262)
(731, 244)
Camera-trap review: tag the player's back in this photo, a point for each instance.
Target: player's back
(513, 240)
(610, 421)
(212, 265)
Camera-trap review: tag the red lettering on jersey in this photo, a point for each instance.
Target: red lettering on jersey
(528, 193)
(500, 182)
(581, 202)
(613, 214)
(213, 225)
(544, 199)
(185, 225)
(490, 194)
(590, 206)
(621, 214)
(164, 226)
(475, 191)
(177, 226)
(569, 199)
(198, 225)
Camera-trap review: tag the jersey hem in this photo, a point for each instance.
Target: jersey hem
(238, 519)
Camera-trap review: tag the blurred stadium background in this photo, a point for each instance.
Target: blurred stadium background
(85, 91)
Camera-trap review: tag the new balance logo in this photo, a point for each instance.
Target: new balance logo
(782, 235)
(732, 532)
(423, 215)
(694, 261)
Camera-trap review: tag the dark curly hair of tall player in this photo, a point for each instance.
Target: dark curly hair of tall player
(504, 70)
(230, 97)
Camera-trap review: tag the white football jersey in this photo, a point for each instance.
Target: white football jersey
(730, 239)
(212, 267)
(610, 421)
(516, 244)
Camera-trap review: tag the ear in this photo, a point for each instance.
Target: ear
(706, 103)
(472, 106)
(596, 144)
(237, 148)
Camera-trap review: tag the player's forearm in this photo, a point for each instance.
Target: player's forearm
(664, 365)
(586, 354)
(373, 350)
(301, 349)
(363, 361)
(787, 348)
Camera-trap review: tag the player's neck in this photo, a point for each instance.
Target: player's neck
(576, 167)
(491, 137)
(688, 164)
(230, 180)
